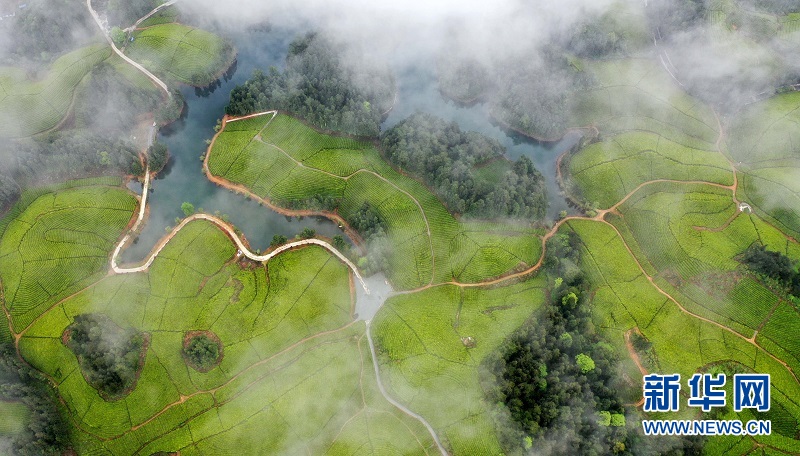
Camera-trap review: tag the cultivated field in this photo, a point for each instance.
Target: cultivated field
(31, 105)
(426, 363)
(182, 53)
(683, 341)
(56, 242)
(765, 143)
(293, 166)
(286, 327)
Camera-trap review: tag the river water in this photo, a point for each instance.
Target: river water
(184, 181)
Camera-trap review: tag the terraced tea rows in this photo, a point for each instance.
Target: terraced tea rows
(28, 107)
(57, 245)
(764, 143)
(182, 53)
(289, 164)
(428, 363)
(287, 331)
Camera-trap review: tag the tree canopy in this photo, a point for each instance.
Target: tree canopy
(202, 352)
(321, 85)
(110, 357)
(446, 159)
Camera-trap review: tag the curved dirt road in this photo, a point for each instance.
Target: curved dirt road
(124, 57)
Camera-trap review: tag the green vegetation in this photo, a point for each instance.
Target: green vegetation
(764, 143)
(55, 243)
(13, 418)
(681, 342)
(293, 166)
(110, 357)
(28, 107)
(606, 171)
(287, 334)
(182, 53)
(432, 360)
(38, 30)
(773, 265)
(30, 421)
(445, 159)
(187, 208)
(125, 13)
(111, 100)
(317, 86)
(202, 351)
(371, 226)
(647, 129)
(533, 96)
(66, 155)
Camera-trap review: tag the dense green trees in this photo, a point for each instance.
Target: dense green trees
(157, 156)
(308, 233)
(278, 240)
(373, 229)
(46, 432)
(45, 29)
(555, 375)
(445, 158)
(323, 87)
(775, 266)
(62, 156)
(202, 352)
(110, 357)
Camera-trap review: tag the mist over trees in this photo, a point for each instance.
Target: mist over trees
(44, 29)
(109, 103)
(46, 432)
(445, 158)
(369, 224)
(322, 87)
(735, 62)
(775, 266)
(109, 356)
(527, 91)
(60, 156)
(125, 12)
(555, 375)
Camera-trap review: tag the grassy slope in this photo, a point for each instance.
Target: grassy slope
(30, 106)
(270, 373)
(289, 163)
(179, 52)
(684, 344)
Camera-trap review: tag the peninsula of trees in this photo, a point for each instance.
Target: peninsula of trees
(319, 86)
(452, 162)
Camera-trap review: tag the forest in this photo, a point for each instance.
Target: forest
(47, 432)
(321, 86)
(524, 94)
(559, 380)
(373, 229)
(555, 375)
(446, 159)
(61, 156)
(45, 29)
(775, 266)
(109, 356)
(107, 103)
